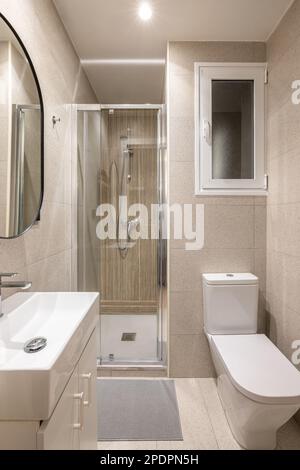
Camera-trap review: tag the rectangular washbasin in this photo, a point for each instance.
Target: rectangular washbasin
(31, 384)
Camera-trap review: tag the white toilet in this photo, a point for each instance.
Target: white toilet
(258, 386)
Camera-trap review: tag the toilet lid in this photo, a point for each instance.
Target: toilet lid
(258, 369)
(230, 279)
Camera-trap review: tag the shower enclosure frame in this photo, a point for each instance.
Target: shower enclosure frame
(162, 348)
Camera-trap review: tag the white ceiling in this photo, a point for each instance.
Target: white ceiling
(111, 29)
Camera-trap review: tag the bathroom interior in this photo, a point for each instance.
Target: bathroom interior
(126, 125)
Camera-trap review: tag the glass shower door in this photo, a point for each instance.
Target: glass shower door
(117, 162)
(129, 281)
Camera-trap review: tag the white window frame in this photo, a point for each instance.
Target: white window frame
(205, 73)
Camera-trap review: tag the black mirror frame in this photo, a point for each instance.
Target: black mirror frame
(37, 217)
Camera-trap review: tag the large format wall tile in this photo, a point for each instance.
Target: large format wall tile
(187, 317)
(182, 96)
(235, 227)
(284, 173)
(283, 211)
(43, 253)
(182, 145)
(260, 214)
(190, 356)
(284, 37)
(284, 228)
(52, 274)
(229, 227)
(283, 278)
(183, 55)
(50, 237)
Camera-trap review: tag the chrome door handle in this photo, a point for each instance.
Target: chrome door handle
(79, 425)
(88, 377)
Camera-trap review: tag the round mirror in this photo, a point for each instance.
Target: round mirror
(21, 136)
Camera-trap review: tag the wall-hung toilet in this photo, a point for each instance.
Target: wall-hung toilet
(258, 386)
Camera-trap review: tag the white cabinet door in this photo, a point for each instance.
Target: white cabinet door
(62, 430)
(73, 424)
(87, 373)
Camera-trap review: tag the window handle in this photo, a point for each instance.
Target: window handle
(206, 131)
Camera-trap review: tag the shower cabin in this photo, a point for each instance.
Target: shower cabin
(119, 159)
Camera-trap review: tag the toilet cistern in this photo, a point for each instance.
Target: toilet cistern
(23, 285)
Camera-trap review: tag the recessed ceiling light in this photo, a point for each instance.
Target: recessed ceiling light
(145, 11)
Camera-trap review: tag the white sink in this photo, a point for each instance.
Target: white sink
(31, 384)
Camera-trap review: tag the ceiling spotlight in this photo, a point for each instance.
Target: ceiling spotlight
(145, 11)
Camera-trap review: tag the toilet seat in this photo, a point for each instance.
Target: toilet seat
(258, 369)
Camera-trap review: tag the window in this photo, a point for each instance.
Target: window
(230, 128)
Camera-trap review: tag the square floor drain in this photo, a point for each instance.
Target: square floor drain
(128, 336)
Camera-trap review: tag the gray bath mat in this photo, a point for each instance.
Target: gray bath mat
(138, 410)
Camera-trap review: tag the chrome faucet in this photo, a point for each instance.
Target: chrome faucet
(11, 285)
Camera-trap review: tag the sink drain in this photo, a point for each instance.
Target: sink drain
(35, 345)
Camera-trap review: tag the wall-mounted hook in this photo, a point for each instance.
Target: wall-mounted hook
(55, 120)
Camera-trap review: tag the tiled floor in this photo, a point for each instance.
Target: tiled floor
(204, 424)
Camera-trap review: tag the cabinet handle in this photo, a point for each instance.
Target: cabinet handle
(79, 396)
(88, 377)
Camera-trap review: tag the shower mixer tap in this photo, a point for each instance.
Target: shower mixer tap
(132, 225)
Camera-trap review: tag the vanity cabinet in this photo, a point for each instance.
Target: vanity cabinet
(48, 400)
(59, 432)
(73, 424)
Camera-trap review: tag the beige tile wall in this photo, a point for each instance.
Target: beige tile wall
(283, 207)
(43, 255)
(235, 228)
